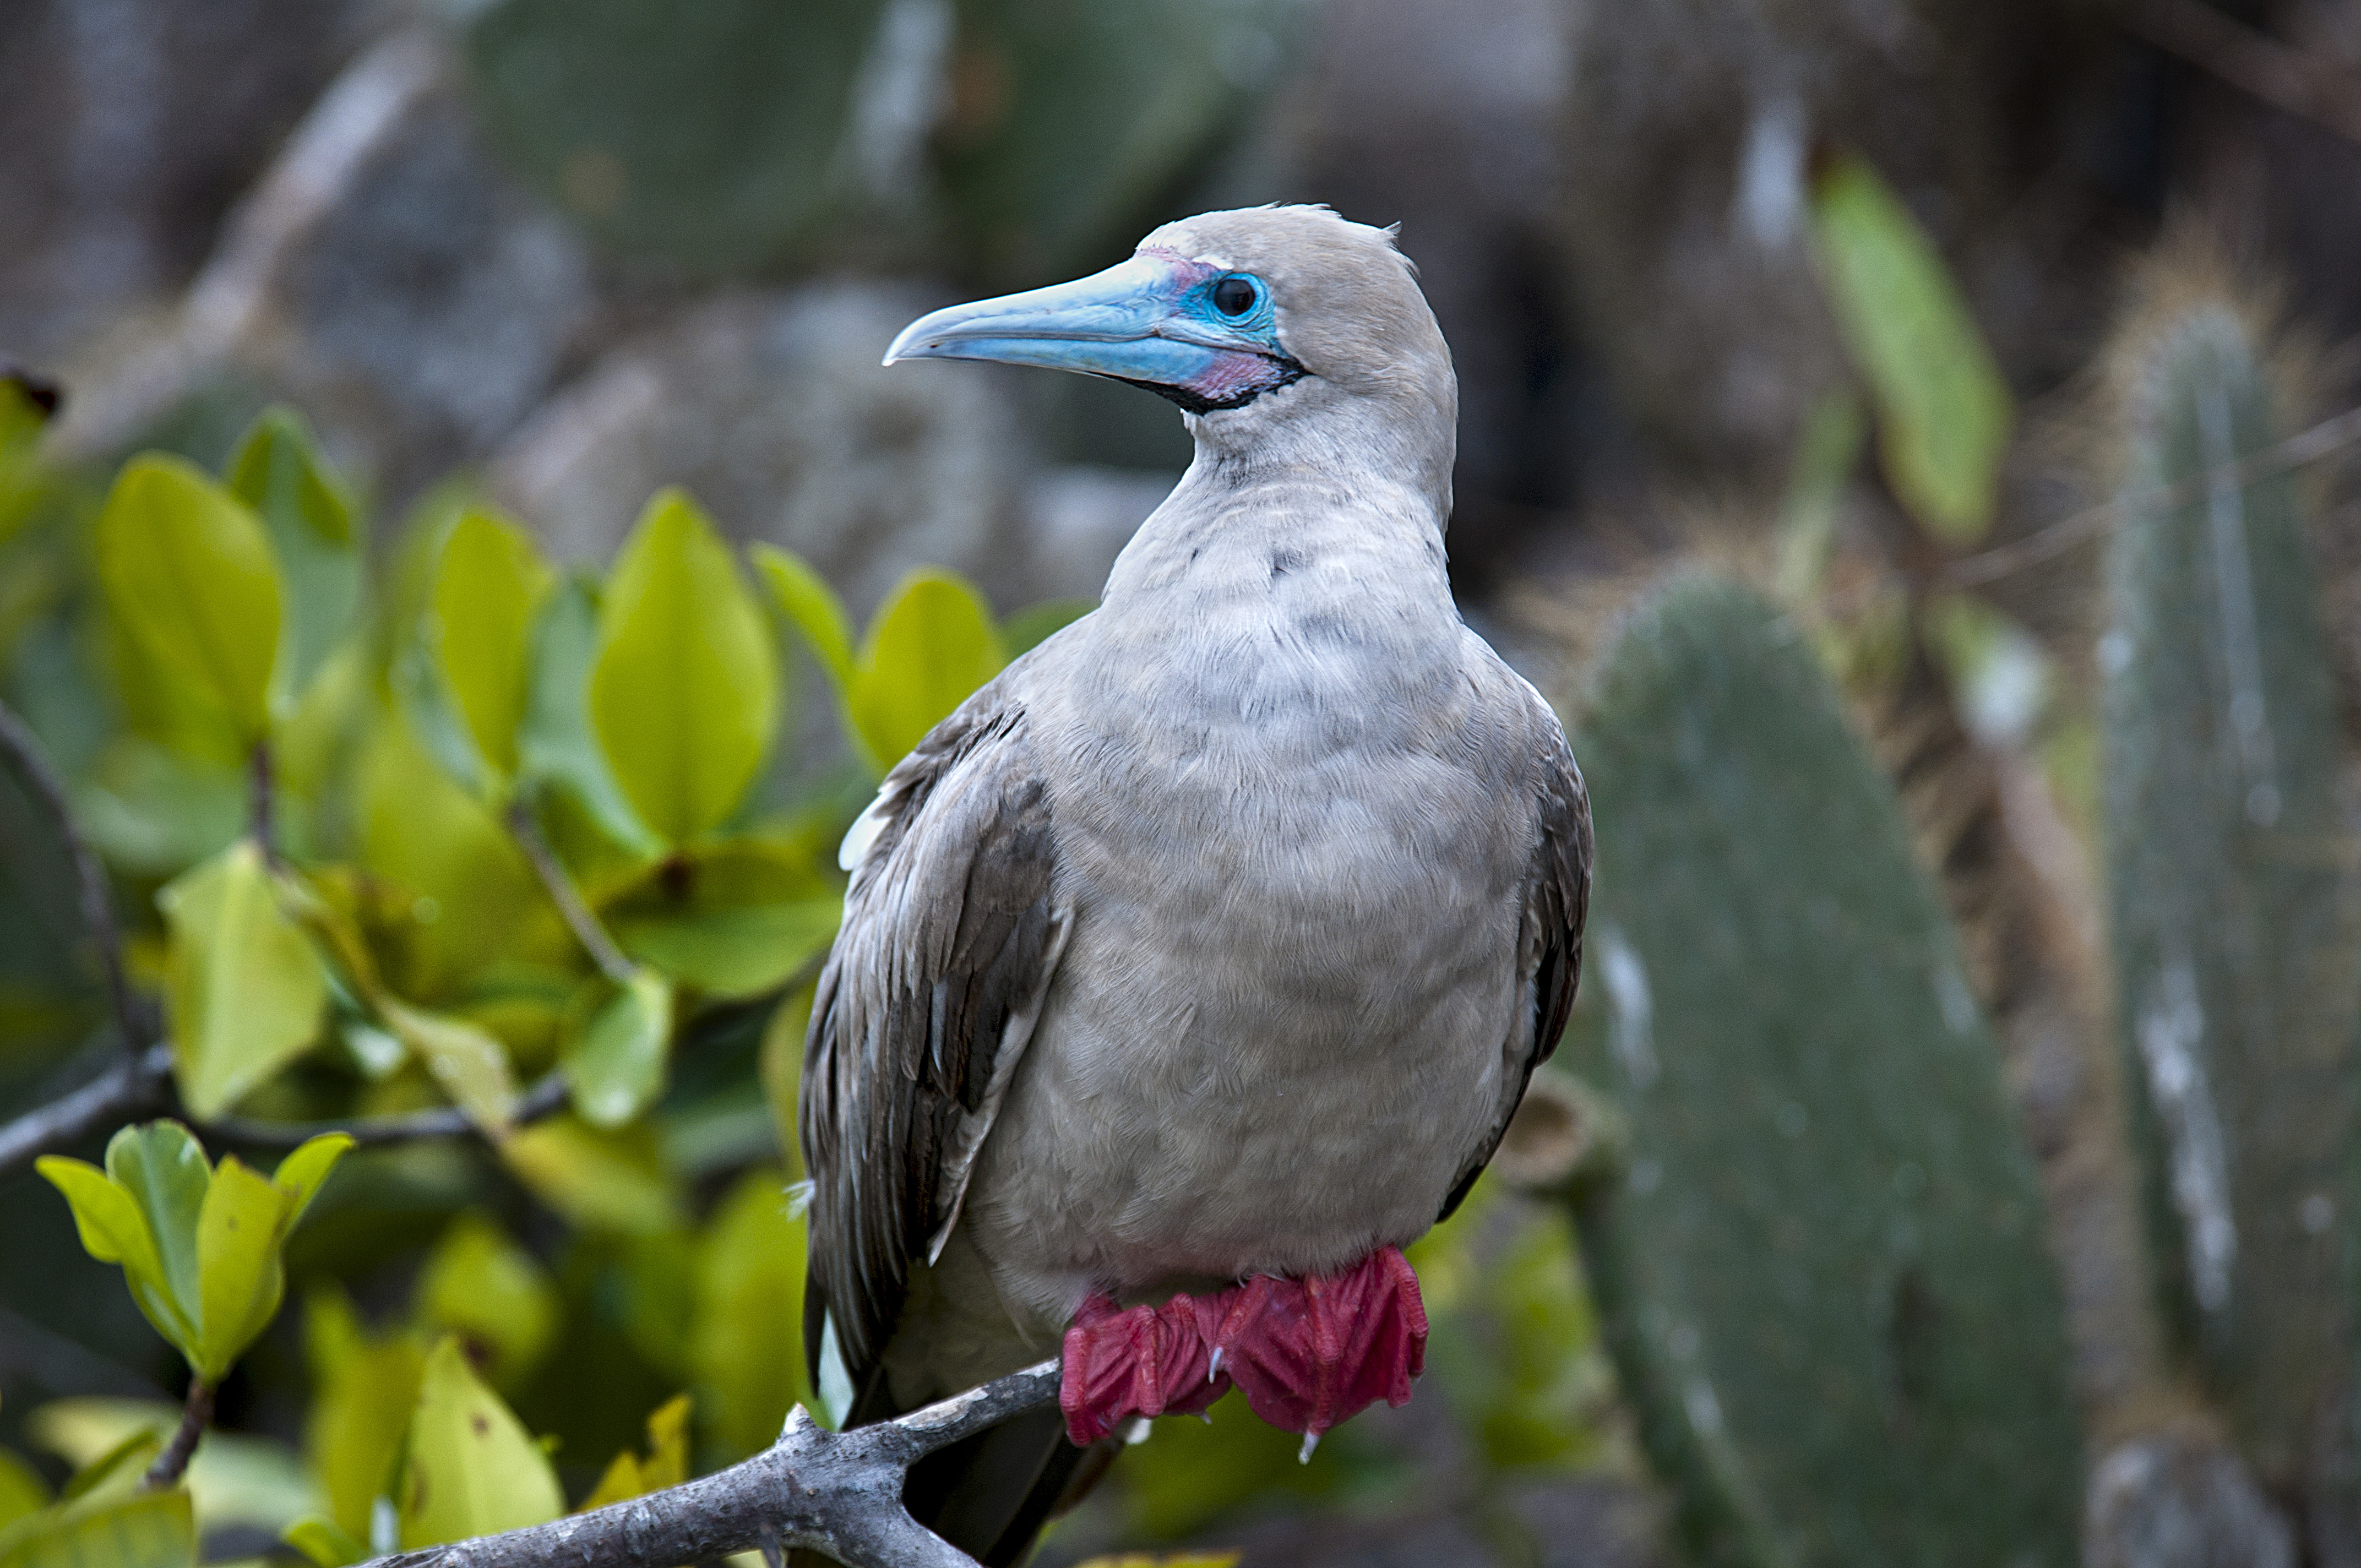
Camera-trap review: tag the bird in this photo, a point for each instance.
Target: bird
(1194, 965)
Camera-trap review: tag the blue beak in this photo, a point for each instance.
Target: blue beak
(1149, 320)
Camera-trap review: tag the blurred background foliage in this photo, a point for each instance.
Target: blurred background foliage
(477, 568)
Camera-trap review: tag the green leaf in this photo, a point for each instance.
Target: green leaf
(322, 1543)
(278, 472)
(685, 691)
(734, 919)
(596, 1180)
(615, 1062)
(243, 986)
(489, 582)
(1943, 413)
(188, 572)
(803, 596)
(22, 1490)
(928, 648)
(145, 1529)
(1036, 623)
(471, 1467)
(556, 745)
(470, 1065)
(162, 1167)
(744, 1348)
(666, 1464)
(233, 1478)
(479, 1284)
(113, 1230)
(363, 1388)
(239, 1276)
(306, 1166)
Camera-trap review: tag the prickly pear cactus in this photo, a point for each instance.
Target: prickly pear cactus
(1822, 1273)
(2229, 867)
(713, 136)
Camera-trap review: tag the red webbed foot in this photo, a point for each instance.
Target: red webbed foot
(1309, 1353)
(1147, 1361)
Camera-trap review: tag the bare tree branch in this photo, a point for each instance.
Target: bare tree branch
(115, 1096)
(377, 1132)
(47, 788)
(196, 1414)
(839, 1493)
(568, 897)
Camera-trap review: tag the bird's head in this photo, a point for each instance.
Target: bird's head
(1268, 326)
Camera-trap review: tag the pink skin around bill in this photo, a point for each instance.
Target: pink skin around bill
(1308, 1353)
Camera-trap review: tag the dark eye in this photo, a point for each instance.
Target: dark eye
(1234, 296)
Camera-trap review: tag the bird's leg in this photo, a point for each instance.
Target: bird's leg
(1309, 1353)
(1146, 1361)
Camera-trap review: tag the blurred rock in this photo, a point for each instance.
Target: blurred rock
(2180, 1500)
(130, 126)
(384, 277)
(773, 410)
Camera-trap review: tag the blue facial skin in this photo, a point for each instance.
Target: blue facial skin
(1149, 320)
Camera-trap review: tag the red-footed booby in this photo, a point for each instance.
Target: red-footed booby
(1195, 967)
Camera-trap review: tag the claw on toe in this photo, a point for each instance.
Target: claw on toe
(1309, 1353)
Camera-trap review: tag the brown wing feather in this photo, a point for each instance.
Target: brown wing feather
(950, 933)
(1549, 938)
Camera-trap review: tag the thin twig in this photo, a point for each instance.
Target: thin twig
(115, 1096)
(2255, 63)
(380, 1132)
(2308, 446)
(568, 899)
(23, 749)
(839, 1493)
(196, 1414)
(261, 804)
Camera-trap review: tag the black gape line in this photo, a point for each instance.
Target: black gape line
(1290, 372)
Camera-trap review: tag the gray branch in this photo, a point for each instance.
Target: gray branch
(117, 1095)
(839, 1493)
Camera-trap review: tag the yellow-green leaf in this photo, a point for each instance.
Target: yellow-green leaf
(666, 1464)
(243, 986)
(685, 691)
(810, 605)
(324, 1543)
(22, 1490)
(929, 648)
(479, 1284)
(306, 1166)
(744, 1349)
(309, 519)
(472, 1468)
(596, 1180)
(114, 1231)
(555, 744)
(1943, 413)
(363, 1388)
(145, 1529)
(734, 919)
(615, 1063)
(239, 1276)
(488, 586)
(188, 571)
(470, 1065)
